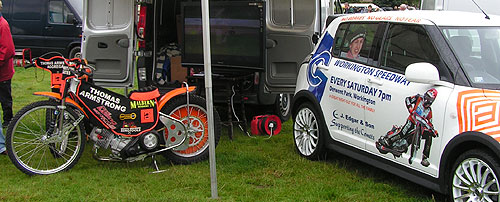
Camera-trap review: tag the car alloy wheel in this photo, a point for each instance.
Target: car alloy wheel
(306, 132)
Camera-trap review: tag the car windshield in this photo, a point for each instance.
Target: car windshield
(478, 51)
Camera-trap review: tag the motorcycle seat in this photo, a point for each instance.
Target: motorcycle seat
(146, 93)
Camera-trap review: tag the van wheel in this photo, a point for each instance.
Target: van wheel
(475, 177)
(307, 132)
(282, 106)
(75, 52)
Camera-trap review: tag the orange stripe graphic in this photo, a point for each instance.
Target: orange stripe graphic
(478, 111)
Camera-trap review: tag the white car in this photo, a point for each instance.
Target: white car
(414, 93)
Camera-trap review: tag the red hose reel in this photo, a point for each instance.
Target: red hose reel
(266, 125)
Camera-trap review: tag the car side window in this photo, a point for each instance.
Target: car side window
(339, 37)
(405, 45)
(59, 13)
(354, 41)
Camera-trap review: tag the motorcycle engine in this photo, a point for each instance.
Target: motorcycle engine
(106, 139)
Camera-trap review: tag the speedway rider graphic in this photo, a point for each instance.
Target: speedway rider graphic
(417, 126)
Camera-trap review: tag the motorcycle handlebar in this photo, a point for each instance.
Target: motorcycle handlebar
(31, 64)
(83, 70)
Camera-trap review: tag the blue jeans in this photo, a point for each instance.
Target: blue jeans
(2, 139)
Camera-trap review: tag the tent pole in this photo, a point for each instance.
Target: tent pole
(209, 96)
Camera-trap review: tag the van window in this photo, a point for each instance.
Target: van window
(292, 13)
(59, 13)
(407, 44)
(281, 12)
(27, 10)
(358, 40)
(114, 16)
(303, 13)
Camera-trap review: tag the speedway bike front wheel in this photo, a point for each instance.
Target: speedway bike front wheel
(35, 143)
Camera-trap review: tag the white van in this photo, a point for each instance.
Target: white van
(416, 94)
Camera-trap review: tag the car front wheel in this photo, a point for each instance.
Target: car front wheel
(307, 132)
(475, 177)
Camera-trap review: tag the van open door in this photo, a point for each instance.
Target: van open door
(290, 27)
(108, 40)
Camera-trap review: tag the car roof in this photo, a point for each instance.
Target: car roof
(439, 18)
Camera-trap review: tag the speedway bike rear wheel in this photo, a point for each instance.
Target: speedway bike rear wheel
(197, 117)
(35, 144)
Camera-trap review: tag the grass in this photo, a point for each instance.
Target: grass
(248, 169)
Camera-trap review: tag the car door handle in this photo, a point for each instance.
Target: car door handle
(49, 28)
(102, 45)
(375, 81)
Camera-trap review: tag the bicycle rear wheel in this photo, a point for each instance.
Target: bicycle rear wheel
(37, 147)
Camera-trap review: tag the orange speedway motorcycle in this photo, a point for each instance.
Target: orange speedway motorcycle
(47, 137)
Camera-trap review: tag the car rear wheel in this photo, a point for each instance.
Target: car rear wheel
(475, 177)
(307, 132)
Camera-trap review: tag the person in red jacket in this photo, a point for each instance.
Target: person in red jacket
(7, 53)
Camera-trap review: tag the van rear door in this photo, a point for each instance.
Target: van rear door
(108, 40)
(290, 26)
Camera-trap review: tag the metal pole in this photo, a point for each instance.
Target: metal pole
(208, 89)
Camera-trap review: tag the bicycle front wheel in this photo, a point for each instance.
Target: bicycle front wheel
(37, 145)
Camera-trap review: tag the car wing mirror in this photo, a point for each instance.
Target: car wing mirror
(423, 72)
(71, 19)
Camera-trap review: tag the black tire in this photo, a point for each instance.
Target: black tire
(474, 177)
(75, 52)
(309, 132)
(282, 106)
(36, 152)
(198, 145)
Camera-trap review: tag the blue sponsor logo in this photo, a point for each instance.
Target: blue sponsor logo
(315, 77)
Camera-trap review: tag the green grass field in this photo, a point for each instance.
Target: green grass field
(248, 169)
